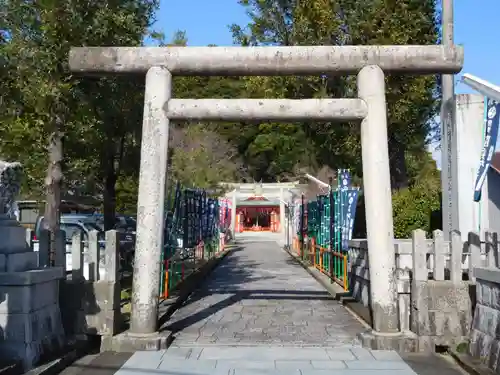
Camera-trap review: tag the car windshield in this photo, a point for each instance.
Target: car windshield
(131, 222)
(125, 223)
(92, 226)
(71, 229)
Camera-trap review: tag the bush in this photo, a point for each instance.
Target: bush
(414, 207)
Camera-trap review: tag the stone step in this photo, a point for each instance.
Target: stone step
(279, 360)
(270, 360)
(282, 367)
(272, 353)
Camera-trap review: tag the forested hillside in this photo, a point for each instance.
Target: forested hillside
(81, 135)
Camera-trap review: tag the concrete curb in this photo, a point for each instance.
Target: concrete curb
(57, 365)
(467, 364)
(10, 368)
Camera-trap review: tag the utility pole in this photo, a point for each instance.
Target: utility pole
(449, 162)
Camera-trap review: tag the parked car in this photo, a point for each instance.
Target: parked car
(126, 223)
(123, 223)
(127, 226)
(72, 223)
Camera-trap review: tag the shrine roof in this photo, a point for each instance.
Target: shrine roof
(257, 198)
(249, 202)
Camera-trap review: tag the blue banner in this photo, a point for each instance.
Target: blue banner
(351, 202)
(345, 179)
(492, 118)
(344, 186)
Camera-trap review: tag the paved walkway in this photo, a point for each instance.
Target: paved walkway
(257, 296)
(260, 313)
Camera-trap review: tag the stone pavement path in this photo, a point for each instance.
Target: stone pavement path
(259, 295)
(261, 314)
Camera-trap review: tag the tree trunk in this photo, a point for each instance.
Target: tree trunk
(53, 181)
(112, 162)
(109, 204)
(399, 173)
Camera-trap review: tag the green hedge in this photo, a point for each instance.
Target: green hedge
(416, 207)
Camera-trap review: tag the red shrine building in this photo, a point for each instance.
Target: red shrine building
(260, 207)
(258, 214)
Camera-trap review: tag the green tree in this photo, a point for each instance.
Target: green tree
(201, 158)
(45, 106)
(411, 100)
(204, 154)
(290, 22)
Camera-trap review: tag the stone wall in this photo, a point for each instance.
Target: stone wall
(90, 307)
(30, 319)
(484, 341)
(359, 272)
(434, 299)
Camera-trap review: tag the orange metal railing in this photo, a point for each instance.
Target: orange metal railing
(335, 269)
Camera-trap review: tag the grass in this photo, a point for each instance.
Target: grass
(462, 347)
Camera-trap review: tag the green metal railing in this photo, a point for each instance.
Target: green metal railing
(191, 236)
(325, 226)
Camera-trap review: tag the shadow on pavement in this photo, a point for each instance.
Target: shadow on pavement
(229, 278)
(269, 295)
(109, 363)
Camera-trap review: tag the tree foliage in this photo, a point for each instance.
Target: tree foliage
(411, 100)
(95, 118)
(418, 205)
(43, 107)
(200, 157)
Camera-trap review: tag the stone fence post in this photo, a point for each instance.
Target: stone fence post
(441, 306)
(92, 305)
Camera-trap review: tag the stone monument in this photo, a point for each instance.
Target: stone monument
(30, 318)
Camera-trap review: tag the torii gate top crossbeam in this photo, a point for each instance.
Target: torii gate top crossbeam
(261, 61)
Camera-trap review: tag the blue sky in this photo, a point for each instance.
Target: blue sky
(476, 28)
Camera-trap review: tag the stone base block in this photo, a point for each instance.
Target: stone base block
(129, 343)
(73, 321)
(401, 342)
(90, 307)
(30, 353)
(13, 237)
(34, 326)
(104, 323)
(18, 262)
(23, 299)
(445, 323)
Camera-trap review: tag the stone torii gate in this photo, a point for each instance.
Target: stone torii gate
(368, 62)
